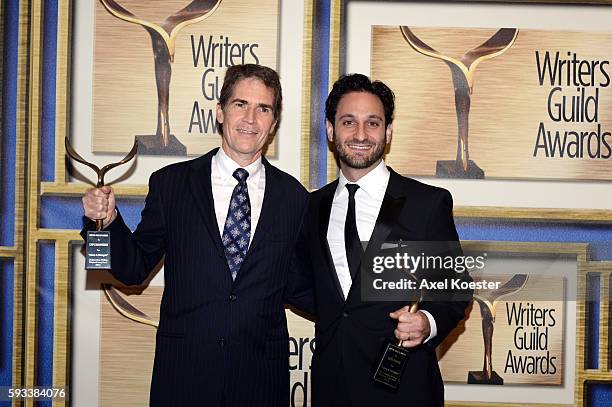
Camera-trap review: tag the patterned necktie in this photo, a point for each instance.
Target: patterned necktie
(352, 244)
(237, 229)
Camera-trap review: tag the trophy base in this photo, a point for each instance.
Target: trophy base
(390, 367)
(152, 145)
(478, 377)
(450, 169)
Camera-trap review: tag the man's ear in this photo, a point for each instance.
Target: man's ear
(274, 127)
(388, 133)
(329, 128)
(220, 116)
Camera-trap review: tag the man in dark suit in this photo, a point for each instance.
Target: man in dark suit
(371, 202)
(226, 224)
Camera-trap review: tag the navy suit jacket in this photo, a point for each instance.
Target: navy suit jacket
(219, 342)
(351, 332)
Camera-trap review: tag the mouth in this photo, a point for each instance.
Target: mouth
(359, 147)
(247, 132)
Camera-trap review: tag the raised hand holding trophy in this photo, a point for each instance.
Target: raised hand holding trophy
(98, 248)
(98, 254)
(462, 71)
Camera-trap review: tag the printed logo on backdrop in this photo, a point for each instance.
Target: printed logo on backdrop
(512, 335)
(159, 68)
(533, 104)
(301, 349)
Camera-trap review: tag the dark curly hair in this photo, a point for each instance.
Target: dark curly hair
(357, 82)
(268, 76)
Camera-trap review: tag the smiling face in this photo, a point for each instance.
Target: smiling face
(359, 133)
(247, 119)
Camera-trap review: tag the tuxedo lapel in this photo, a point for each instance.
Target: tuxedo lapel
(389, 213)
(201, 188)
(324, 213)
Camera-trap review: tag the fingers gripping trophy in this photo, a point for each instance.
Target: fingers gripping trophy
(99, 205)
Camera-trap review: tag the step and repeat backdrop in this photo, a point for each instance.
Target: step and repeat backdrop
(506, 105)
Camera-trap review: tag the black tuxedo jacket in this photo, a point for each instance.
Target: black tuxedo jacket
(220, 342)
(350, 333)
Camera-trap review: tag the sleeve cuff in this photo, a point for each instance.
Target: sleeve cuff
(433, 329)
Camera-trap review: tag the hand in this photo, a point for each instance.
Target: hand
(99, 203)
(412, 327)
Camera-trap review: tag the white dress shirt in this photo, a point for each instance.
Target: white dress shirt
(223, 184)
(368, 200)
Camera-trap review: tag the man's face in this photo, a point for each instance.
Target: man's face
(358, 132)
(247, 120)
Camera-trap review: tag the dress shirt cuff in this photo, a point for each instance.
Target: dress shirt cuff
(433, 329)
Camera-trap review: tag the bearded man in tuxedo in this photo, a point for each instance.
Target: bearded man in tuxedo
(371, 202)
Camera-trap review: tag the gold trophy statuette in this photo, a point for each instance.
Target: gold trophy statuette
(487, 300)
(98, 250)
(163, 40)
(462, 71)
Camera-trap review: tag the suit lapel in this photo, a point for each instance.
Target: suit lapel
(270, 206)
(324, 213)
(201, 188)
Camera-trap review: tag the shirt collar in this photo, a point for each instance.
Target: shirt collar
(374, 183)
(227, 166)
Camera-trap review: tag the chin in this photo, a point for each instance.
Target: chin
(246, 147)
(360, 161)
(249, 151)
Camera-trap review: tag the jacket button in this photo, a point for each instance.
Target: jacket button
(221, 342)
(232, 297)
(345, 314)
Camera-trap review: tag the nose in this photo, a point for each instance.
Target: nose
(360, 134)
(250, 114)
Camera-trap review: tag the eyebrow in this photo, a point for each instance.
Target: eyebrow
(246, 102)
(266, 106)
(352, 116)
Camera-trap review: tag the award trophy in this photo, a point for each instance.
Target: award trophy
(462, 72)
(163, 40)
(393, 358)
(391, 365)
(487, 300)
(98, 248)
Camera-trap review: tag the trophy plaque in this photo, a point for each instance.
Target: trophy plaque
(392, 362)
(462, 72)
(163, 40)
(487, 300)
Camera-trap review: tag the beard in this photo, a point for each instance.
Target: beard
(359, 161)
